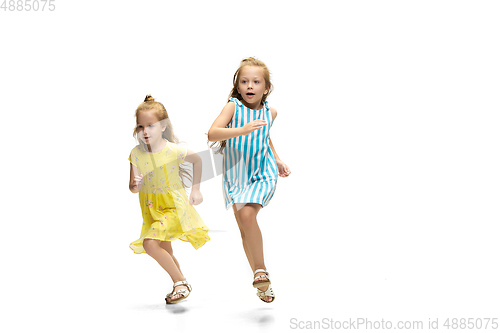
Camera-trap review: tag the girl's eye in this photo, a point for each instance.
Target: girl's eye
(256, 81)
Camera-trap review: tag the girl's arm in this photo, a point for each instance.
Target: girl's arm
(194, 158)
(135, 182)
(283, 169)
(274, 151)
(195, 197)
(274, 113)
(219, 132)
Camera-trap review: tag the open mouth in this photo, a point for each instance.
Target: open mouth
(250, 94)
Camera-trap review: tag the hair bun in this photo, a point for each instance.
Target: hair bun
(249, 59)
(149, 98)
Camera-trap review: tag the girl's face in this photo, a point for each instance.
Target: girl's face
(149, 128)
(252, 86)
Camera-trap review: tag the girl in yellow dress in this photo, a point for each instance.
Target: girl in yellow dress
(156, 173)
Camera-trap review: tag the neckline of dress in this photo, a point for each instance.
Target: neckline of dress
(147, 152)
(261, 109)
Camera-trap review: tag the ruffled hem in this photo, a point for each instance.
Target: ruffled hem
(260, 192)
(197, 237)
(229, 205)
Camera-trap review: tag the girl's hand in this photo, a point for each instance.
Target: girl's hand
(195, 198)
(138, 181)
(252, 126)
(283, 169)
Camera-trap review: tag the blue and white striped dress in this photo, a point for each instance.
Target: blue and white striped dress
(250, 172)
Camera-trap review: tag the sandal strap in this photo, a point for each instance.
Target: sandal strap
(269, 292)
(183, 283)
(265, 275)
(261, 276)
(260, 270)
(183, 292)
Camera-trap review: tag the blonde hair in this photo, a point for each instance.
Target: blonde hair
(235, 94)
(236, 78)
(149, 105)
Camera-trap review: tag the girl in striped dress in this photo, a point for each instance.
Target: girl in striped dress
(251, 165)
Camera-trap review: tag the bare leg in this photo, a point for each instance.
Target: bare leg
(163, 256)
(245, 246)
(167, 246)
(246, 217)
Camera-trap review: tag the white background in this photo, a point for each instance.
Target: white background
(388, 116)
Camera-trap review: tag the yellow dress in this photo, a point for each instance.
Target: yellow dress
(166, 212)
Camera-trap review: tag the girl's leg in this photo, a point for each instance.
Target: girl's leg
(160, 253)
(246, 217)
(167, 246)
(248, 253)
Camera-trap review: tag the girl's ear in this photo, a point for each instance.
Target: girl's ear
(163, 124)
(267, 89)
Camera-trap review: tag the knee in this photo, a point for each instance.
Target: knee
(247, 216)
(150, 246)
(246, 224)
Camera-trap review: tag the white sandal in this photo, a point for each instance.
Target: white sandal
(184, 292)
(260, 284)
(268, 293)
